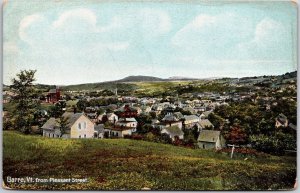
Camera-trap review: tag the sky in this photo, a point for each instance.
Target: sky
(84, 41)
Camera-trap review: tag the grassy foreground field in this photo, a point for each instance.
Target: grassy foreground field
(122, 164)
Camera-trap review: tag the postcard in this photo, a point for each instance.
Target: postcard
(149, 95)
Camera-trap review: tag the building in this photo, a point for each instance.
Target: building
(112, 117)
(127, 112)
(119, 131)
(190, 121)
(281, 121)
(173, 132)
(205, 114)
(53, 95)
(99, 131)
(209, 139)
(78, 126)
(127, 123)
(205, 123)
(170, 120)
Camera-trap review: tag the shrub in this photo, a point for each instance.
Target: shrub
(137, 137)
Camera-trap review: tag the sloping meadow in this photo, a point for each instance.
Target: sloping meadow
(123, 164)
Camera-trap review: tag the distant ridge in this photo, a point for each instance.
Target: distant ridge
(139, 79)
(180, 78)
(126, 83)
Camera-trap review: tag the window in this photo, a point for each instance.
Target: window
(49, 135)
(84, 135)
(84, 125)
(79, 126)
(79, 136)
(117, 134)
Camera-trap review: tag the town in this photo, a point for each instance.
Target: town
(207, 114)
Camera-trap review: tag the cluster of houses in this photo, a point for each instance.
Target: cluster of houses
(122, 122)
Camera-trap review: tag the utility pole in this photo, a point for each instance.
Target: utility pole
(232, 149)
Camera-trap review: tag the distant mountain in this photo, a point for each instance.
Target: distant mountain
(127, 83)
(139, 79)
(180, 78)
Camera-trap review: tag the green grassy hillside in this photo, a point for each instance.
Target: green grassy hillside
(122, 164)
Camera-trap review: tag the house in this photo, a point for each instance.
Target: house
(173, 131)
(170, 117)
(190, 121)
(123, 127)
(154, 121)
(127, 112)
(292, 126)
(119, 131)
(138, 110)
(157, 108)
(53, 95)
(281, 121)
(100, 117)
(205, 114)
(92, 117)
(205, 123)
(209, 139)
(189, 109)
(78, 126)
(178, 115)
(170, 120)
(112, 117)
(199, 108)
(51, 129)
(99, 131)
(146, 109)
(127, 123)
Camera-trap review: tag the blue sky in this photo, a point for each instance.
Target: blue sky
(71, 42)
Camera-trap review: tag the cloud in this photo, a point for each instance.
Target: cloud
(26, 23)
(270, 40)
(154, 22)
(81, 15)
(229, 36)
(212, 35)
(80, 27)
(266, 28)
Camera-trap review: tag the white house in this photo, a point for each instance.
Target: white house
(119, 132)
(78, 126)
(112, 117)
(173, 132)
(127, 122)
(209, 139)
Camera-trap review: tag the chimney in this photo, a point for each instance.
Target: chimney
(75, 110)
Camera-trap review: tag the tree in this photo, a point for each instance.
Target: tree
(216, 120)
(63, 122)
(153, 115)
(82, 104)
(236, 136)
(24, 100)
(165, 138)
(57, 110)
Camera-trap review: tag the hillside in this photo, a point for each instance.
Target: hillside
(100, 86)
(140, 79)
(122, 164)
(139, 85)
